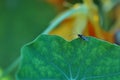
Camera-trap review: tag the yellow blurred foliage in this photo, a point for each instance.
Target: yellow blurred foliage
(87, 25)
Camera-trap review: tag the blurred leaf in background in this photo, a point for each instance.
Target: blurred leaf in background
(82, 19)
(87, 18)
(74, 1)
(58, 4)
(108, 13)
(20, 22)
(5, 77)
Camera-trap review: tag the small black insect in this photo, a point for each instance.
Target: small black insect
(83, 37)
(117, 37)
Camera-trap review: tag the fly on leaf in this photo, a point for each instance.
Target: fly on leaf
(82, 37)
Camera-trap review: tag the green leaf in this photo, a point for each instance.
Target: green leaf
(5, 77)
(53, 58)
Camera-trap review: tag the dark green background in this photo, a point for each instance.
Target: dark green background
(20, 22)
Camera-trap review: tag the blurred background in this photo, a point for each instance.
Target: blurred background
(21, 21)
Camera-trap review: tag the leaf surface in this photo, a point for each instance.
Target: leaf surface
(53, 58)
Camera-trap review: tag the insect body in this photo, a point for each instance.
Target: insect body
(83, 37)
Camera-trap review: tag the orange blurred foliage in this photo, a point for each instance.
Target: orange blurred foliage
(65, 30)
(92, 28)
(57, 3)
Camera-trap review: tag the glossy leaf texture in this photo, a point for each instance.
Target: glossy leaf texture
(53, 58)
